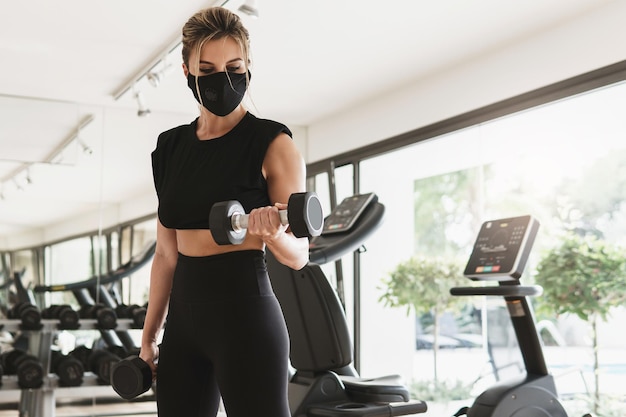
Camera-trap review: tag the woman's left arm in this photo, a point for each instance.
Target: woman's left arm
(285, 173)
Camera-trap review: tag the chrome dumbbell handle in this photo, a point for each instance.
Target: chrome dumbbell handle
(239, 221)
(228, 221)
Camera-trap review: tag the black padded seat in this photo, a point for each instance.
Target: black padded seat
(321, 349)
(381, 389)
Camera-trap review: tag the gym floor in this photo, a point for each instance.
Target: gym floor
(96, 408)
(84, 408)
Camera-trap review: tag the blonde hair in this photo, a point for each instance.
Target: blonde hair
(214, 23)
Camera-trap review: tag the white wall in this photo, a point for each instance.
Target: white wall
(591, 42)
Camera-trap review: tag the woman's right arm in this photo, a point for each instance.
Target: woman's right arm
(161, 275)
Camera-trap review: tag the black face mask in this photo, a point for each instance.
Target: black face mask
(221, 92)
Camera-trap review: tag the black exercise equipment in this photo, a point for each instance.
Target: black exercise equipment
(22, 294)
(89, 290)
(110, 336)
(119, 351)
(81, 353)
(106, 318)
(135, 312)
(345, 229)
(499, 254)
(131, 377)
(27, 367)
(27, 313)
(137, 262)
(98, 361)
(69, 369)
(68, 317)
(325, 383)
(228, 221)
(113, 338)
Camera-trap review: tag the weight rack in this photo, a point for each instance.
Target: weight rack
(41, 402)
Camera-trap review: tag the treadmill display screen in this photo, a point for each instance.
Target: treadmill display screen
(499, 250)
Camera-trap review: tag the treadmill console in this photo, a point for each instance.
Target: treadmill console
(345, 215)
(501, 249)
(346, 228)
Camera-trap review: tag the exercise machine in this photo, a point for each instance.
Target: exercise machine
(500, 254)
(325, 383)
(107, 307)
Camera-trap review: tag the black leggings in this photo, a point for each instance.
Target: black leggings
(225, 334)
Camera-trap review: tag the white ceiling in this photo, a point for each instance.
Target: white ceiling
(66, 59)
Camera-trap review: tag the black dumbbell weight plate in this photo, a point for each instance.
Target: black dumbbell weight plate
(131, 377)
(82, 353)
(28, 313)
(306, 218)
(29, 372)
(100, 363)
(69, 369)
(220, 223)
(68, 318)
(8, 360)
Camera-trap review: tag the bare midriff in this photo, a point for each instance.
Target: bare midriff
(199, 242)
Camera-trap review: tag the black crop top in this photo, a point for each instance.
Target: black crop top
(190, 175)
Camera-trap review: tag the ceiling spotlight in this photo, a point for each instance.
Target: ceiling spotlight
(143, 110)
(249, 8)
(86, 149)
(18, 186)
(154, 78)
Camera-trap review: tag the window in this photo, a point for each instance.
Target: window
(563, 162)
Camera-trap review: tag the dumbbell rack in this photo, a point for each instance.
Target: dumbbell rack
(41, 402)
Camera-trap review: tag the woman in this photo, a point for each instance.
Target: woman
(225, 333)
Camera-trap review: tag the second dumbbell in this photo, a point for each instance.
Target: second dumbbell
(106, 319)
(67, 316)
(304, 215)
(131, 377)
(27, 367)
(28, 313)
(68, 368)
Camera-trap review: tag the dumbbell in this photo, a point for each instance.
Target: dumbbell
(27, 367)
(131, 377)
(67, 316)
(28, 313)
(101, 361)
(228, 221)
(133, 311)
(69, 369)
(98, 361)
(105, 316)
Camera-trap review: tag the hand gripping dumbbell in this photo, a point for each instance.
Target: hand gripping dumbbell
(131, 377)
(228, 221)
